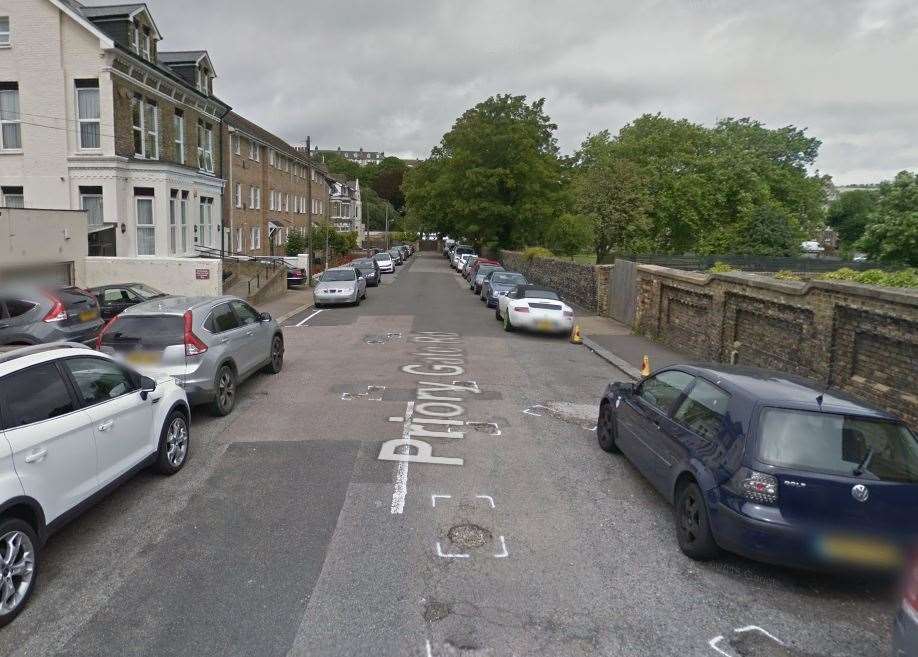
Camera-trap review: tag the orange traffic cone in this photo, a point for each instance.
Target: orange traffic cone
(575, 335)
(645, 366)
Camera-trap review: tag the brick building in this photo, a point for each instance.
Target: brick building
(102, 119)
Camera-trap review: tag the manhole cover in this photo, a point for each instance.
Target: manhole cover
(435, 611)
(469, 536)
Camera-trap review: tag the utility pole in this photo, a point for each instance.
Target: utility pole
(309, 175)
(387, 226)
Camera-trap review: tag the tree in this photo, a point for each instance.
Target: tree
(296, 243)
(387, 181)
(569, 234)
(769, 232)
(495, 178)
(342, 166)
(850, 213)
(892, 232)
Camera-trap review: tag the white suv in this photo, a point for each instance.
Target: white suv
(73, 424)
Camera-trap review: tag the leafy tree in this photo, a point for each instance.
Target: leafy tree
(342, 166)
(296, 243)
(569, 234)
(769, 232)
(892, 233)
(374, 210)
(387, 181)
(338, 243)
(850, 213)
(494, 178)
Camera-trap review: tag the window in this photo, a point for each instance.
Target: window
(255, 198)
(254, 151)
(205, 147)
(178, 128)
(137, 120)
(206, 225)
(91, 201)
(271, 200)
(145, 43)
(4, 30)
(146, 231)
(99, 380)
(145, 117)
(664, 389)
(15, 308)
(704, 409)
(173, 221)
(246, 314)
(10, 129)
(286, 202)
(202, 78)
(236, 146)
(135, 38)
(239, 245)
(255, 241)
(272, 157)
(237, 195)
(13, 197)
(34, 394)
(183, 215)
(222, 319)
(88, 113)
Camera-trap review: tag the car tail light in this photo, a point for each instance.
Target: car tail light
(193, 344)
(910, 595)
(521, 309)
(102, 332)
(759, 487)
(568, 313)
(57, 313)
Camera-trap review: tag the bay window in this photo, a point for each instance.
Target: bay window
(178, 129)
(205, 147)
(91, 201)
(146, 230)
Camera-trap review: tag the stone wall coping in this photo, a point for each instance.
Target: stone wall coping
(907, 296)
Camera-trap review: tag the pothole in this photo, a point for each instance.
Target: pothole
(382, 339)
(489, 428)
(469, 536)
(435, 611)
(582, 415)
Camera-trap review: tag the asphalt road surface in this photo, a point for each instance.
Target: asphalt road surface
(512, 534)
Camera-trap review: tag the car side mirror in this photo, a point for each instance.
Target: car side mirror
(147, 385)
(264, 317)
(626, 388)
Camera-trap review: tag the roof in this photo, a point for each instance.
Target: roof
(181, 56)
(126, 11)
(774, 387)
(172, 305)
(255, 130)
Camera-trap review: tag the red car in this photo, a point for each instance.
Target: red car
(478, 263)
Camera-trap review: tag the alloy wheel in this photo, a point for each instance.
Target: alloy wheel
(227, 389)
(689, 517)
(17, 567)
(277, 353)
(177, 441)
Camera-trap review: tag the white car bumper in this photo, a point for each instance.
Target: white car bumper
(542, 322)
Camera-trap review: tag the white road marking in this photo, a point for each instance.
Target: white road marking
(396, 418)
(434, 498)
(449, 556)
(505, 552)
(486, 497)
(714, 643)
(302, 322)
(429, 650)
(401, 470)
(529, 411)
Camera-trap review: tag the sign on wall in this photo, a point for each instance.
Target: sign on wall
(202, 274)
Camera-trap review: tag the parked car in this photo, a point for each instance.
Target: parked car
(448, 245)
(476, 280)
(905, 631)
(396, 256)
(498, 284)
(75, 423)
(462, 259)
(340, 285)
(769, 465)
(468, 264)
(115, 298)
(369, 269)
(209, 344)
(478, 264)
(385, 262)
(406, 251)
(33, 316)
(534, 308)
(459, 250)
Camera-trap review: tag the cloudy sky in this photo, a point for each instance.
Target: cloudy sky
(393, 75)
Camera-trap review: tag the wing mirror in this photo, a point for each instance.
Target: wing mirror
(626, 388)
(147, 385)
(264, 317)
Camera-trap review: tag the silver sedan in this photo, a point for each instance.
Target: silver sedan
(340, 285)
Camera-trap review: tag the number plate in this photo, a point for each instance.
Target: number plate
(142, 357)
(545, 325)
(868, 552)
(88, 315)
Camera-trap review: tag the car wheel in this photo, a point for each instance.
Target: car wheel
(497, 313)
(507, 325)
(173, 444)
(226, 391)
(606, 431)
(277, 356)
(18, 567)
(693, 528)
(357, 302)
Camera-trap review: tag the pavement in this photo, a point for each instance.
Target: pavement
(615, 343)
(304, 524)
(293, 301)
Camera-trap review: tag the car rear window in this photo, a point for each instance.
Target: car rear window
(508, 279)
(540, 294)
(838, 444)
(152, 331)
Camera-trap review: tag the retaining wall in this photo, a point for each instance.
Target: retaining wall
(585, 285)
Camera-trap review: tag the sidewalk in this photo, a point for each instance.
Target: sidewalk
(615, 343)
(286, 306)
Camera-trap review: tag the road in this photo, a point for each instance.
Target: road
(286, 534)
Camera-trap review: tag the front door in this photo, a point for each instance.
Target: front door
(255, 342)
(52, 440)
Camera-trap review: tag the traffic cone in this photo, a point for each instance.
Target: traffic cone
(575, 335)
(645, 366)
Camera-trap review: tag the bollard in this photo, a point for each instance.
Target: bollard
(575, 335)
(645, 366)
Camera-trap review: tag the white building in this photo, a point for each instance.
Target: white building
(347, 208)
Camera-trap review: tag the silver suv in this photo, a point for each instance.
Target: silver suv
(208, 344)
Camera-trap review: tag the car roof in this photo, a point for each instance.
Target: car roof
(767, 386)
(21, 357)
(175, 305)
(111, 285)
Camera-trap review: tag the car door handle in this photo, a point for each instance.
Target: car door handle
(250, 333)
(224, 340)
(37, 455)
(105, 426)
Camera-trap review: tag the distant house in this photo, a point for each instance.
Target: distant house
(359, 156)
(347, 208)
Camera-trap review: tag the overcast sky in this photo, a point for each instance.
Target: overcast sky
(393, 75)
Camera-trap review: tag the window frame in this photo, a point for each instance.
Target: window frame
(8, 32)
(684, 397)
(78, 90)
(74, 397)
(205, 147)
(210, 317)
(178, 139)
(237, 195)
(131, 376)
(17, 122)
(668, 412)
(101, 197)
(151, 225)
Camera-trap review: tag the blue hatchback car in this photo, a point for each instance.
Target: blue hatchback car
(769, 465)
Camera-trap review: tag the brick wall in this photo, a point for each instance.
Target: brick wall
(862, 339)
(585, 285)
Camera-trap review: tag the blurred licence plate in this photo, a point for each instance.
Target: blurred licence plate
(545, 325)
(864, 551)
(87, 315)
(142, 357)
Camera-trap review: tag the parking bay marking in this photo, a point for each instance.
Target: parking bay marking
(714, 643)
(303, 321)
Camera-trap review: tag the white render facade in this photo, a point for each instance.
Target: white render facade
(52, 51)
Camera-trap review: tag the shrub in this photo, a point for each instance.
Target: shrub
(787, 275)
(536, 252)
(901, 278)
(720, 268)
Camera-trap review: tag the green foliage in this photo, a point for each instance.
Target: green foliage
(849, 214)
(338, 243)
(769, 231)
(343, 167)
(494, 178)
(569, 234)
(296, 243)
(536, 252)
(787, 275)
(374, 210)
(901, 278)
(720, 268)
(892, 232)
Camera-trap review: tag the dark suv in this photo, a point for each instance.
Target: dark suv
(369, 268)
(34, 316)
(769, 465)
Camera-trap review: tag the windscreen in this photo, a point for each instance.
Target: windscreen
(146, 292)
(338, 275)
